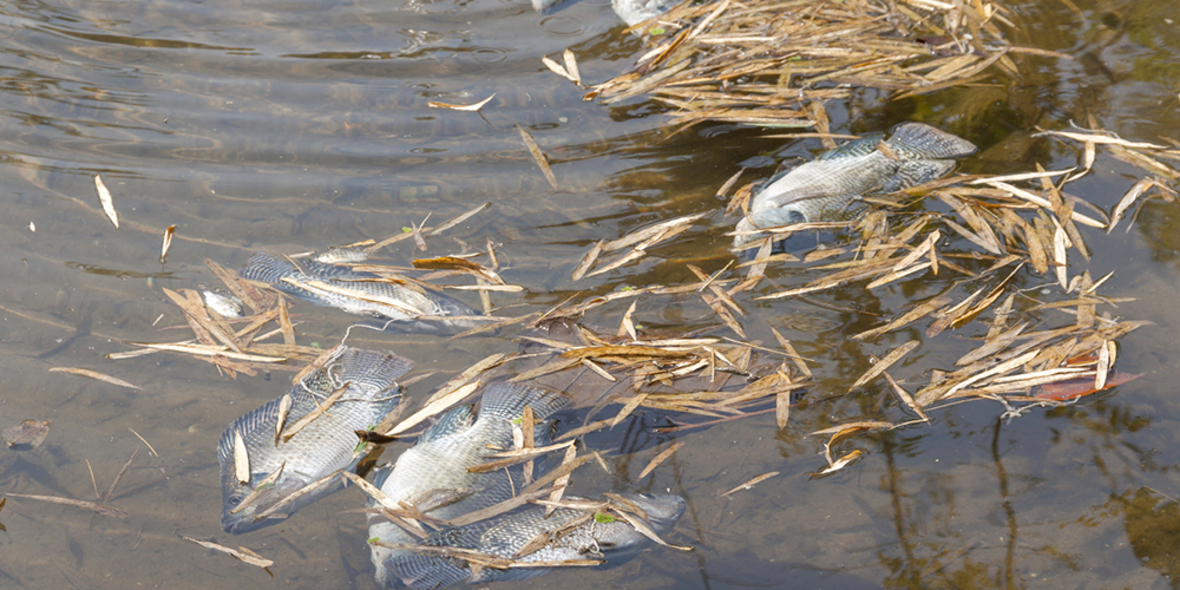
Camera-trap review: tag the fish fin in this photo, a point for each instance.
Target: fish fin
(923, 141)
(915, 172)
(455, 420)
(857, 147)
(508, 401)
(371, 367)
(265, 268)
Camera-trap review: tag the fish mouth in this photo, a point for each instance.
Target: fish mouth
(273, 504)
(266, 507)
(237, 524)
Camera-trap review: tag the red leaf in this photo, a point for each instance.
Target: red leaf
(1067, 390)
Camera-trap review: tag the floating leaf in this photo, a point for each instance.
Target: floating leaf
(108, 204)
(28, 434)
(459, 107)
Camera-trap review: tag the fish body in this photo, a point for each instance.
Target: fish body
(405, 306)
(432, 475)
(324, 446)
(634, 12)
(226, 306)
(631, 12)
(823, 189)
(602, 536)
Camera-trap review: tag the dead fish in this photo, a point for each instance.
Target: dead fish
(338, 255)
(432, 475)
(631, 12)
(400, 306)
(227, 306)
(634, 12)
(265, 468)
(602, 536)
(823, 189)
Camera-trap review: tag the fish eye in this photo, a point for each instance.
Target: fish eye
(234, 500)
(796, 217)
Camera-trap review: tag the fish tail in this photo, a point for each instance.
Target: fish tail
(265, 268)
(923, 141)
(508, 401)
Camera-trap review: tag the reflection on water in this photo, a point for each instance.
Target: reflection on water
(293, 126)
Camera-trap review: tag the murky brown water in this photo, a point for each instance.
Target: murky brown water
(291, 126)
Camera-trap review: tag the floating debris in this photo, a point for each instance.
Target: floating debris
(29, 434)
(751, 483)
(166, 242)
(96, 375)
(104, 198)
(538, 155)
(458, 107)
(102, 507)
(774, 64)
(243, 554)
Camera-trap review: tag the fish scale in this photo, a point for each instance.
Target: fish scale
(323, 446)
(825, 188)
(505, 535)
(437, 464)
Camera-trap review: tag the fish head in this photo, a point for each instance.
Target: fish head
(250, 506)
(789, 214)
(616, 536)
(663, 510)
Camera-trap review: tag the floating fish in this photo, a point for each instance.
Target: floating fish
(226, 306)
(433, 475)
(823, 189)
(402, 306)
(601, 536)
(631, 12)
(274, 461)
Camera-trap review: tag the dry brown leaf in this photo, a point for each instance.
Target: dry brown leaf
(96, 375)
(884, 364)
(242, 554)
(458, 107)
(538, 155)
(660, 458)
(751, 483)
(108, 204)
(29, 433)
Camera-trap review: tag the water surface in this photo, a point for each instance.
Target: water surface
(290, 126)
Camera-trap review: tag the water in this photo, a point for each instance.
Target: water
(293, 126)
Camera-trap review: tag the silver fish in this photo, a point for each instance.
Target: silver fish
(227, 306)
(338, 255)
(266, 476)
(634, 12)
(407, 306)
(631, 12)
(824, 188)
(432, 475)
(504, 536)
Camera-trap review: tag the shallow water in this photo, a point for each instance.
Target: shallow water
(293, 126)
